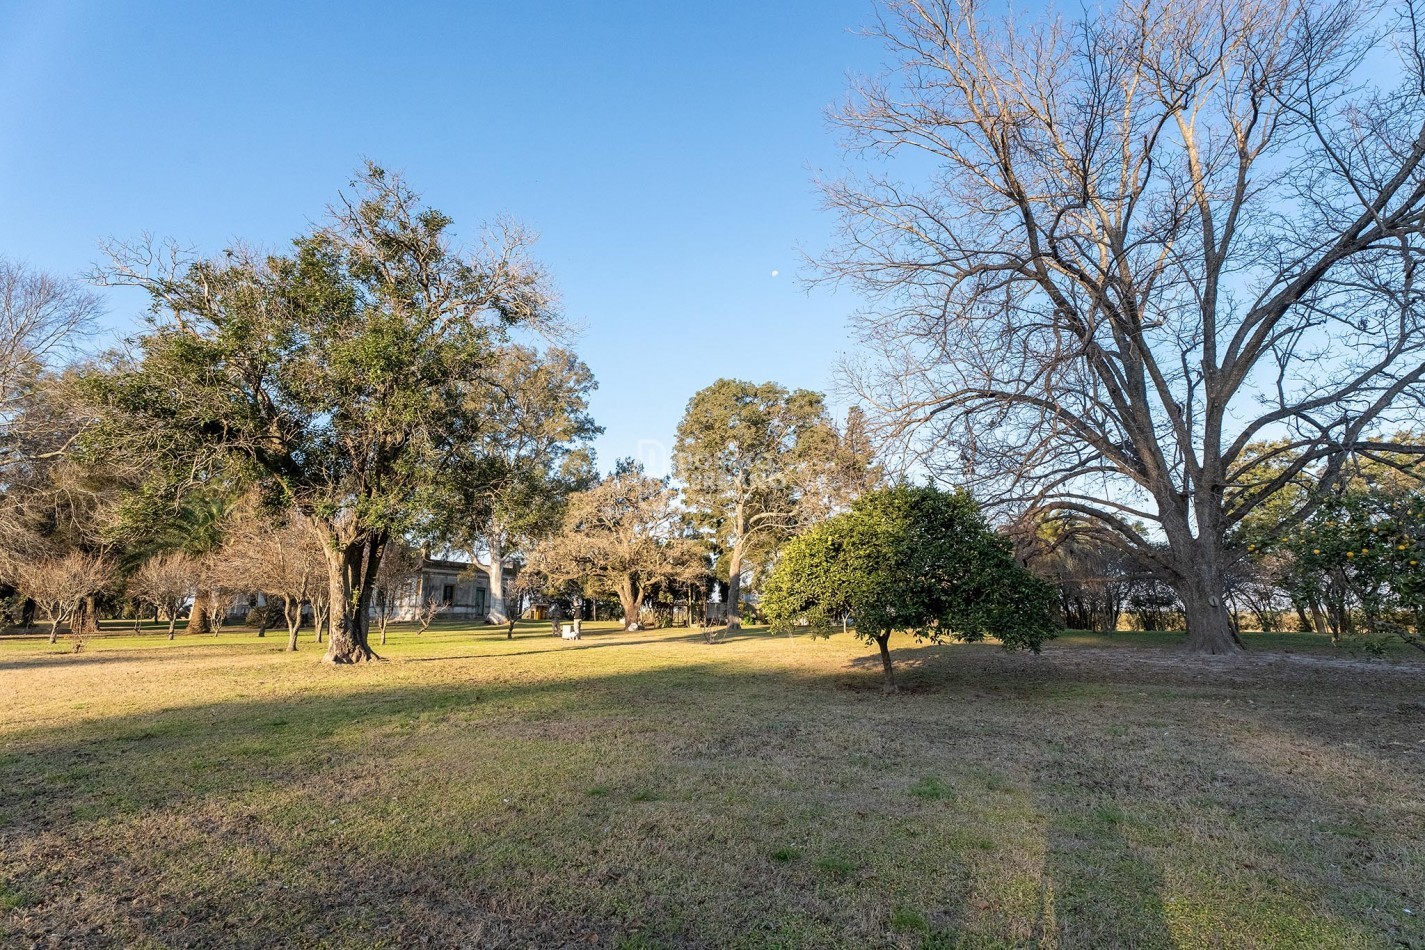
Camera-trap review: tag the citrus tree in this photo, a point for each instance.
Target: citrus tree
(916, 560)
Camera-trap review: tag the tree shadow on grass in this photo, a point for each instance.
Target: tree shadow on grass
(53, 658)
(480, 813)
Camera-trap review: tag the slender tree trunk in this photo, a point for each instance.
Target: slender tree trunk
(54, 630)
(292, 612)
(883, 642)
(498, 607)
(172, 624)
(734, 588)
(1318, 619)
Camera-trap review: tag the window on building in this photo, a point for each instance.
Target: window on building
(447, 595)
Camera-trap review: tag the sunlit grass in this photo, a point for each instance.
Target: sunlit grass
(647, 789)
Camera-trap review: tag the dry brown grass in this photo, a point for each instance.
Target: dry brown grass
(646, 789)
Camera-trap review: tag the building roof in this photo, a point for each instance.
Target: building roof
(456, 567)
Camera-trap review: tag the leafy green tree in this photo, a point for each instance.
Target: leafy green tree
(757, 463)
(336, 378)
(508, 488)
(1362, 551)
(917, 560)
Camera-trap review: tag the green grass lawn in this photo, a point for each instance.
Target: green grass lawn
(646, 789)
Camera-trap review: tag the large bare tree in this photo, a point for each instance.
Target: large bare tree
(1122, 247)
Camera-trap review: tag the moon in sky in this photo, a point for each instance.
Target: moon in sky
(774, 273)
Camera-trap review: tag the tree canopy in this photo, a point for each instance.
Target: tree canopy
(917, 560)
(335, 378)
(757, 462)
(620, 536)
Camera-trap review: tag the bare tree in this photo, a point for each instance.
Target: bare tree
(60, 584)
(397, 584)
(42, 319)
(1147, 238)
(427, 611)
(166, 582)
(284, 562)
(621, 536)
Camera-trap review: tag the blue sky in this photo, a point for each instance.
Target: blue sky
(664, 151)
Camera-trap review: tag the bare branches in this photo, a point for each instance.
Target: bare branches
(1144, 230)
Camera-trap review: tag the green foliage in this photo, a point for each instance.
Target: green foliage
(759, 462)
(916, 560)
(336, 379)
(1368, 543)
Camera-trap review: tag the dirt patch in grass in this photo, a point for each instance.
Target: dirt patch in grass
(657, 791)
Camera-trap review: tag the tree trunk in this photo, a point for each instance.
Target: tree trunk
(1209, 628)
(54, 631)
(198, 615)
(350, 573)
(1318, 619)
(734, 589)
(498, 607)
(890, 684)
(85, 619)
(292, 613)
(172, 624)
(630, 597)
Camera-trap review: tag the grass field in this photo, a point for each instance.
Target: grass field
(647, 790)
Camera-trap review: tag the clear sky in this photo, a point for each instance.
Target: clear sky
(664, 151)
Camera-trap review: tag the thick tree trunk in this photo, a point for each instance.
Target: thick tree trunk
(497, 613)
(630, 597)
(890, 680)
(198, 616)
(734, 589)
(350, 573)
(86, 618)
(1209, 627)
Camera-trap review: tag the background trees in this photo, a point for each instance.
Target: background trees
(166, 582)
(336, 379)
(59, 585)
(511, 483)
(620, 536)
(1147, 239)
(397, 584)
(755, 463)
(917, 560)
(277, 557)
